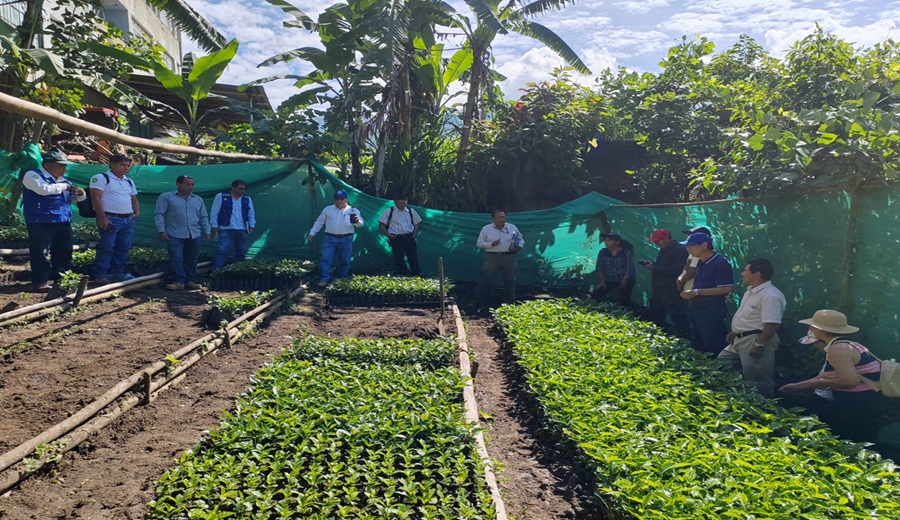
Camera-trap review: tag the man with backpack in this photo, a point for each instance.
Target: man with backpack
(114, 200)
(401, 225)
(233, 219)
(47, 206)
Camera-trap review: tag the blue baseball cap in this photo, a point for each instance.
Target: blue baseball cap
(698, 238)
(340, 194)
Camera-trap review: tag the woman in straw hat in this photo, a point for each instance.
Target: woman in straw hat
(845, 401)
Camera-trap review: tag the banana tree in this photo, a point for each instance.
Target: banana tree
(198, 76)
(493, 20)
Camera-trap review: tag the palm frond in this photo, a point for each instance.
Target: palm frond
(486, 15)
(301, 19)
(192, 23)
(552, 40)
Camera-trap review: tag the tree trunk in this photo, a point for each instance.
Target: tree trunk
(469, 114)
(355, 164)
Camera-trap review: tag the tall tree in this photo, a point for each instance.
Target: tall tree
(493, 20)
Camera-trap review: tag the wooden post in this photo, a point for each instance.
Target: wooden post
(146, 389)
(79, 293)
(442, 295)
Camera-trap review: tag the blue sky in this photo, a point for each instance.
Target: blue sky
(605, 33)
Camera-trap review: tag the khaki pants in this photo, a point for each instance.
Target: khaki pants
(760, 370)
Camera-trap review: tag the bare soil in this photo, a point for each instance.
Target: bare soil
(62, 364)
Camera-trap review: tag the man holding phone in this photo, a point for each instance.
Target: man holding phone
(665, 297)
(339, 221)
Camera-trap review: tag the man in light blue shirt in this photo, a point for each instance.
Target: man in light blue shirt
(233, 220)
(180, 219)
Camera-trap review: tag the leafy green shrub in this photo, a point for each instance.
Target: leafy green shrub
(430, 354)
(83, 259)
(388, 286)
(68, 282)
(85, 231)
(670, 435)
(284, 270)
(234, 306)
(148, 260)
(17, 233)
(336, 440)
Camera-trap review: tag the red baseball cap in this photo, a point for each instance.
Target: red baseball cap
(659, 234)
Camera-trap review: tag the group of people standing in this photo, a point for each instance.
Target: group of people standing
(180, 217)
(690, 282)
(500, 240)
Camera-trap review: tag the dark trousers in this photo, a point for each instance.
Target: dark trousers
(709, 332)
(495, 263)
(614, 292)
(405, 245)
(665, 301)
(58, 237)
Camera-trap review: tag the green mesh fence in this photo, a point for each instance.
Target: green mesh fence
(803, 235)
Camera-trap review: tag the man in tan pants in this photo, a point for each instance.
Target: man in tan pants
(753, 338)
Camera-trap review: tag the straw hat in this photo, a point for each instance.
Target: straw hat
(830, 321)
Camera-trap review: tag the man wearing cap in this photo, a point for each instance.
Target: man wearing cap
(180, 220)
(47, 207)
(501, 243)
(114, 198)
(233, 220)
(665, 297)
(753, 338)
(713, 281)
(401, 225)
(339, 221)
(685, 280)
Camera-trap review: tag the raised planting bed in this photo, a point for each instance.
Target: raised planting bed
(261, 275)
(380, 290)
(147, 260)
(227, 308)
(668, 434)
(15, 237)
(338, 428)
(83, 261)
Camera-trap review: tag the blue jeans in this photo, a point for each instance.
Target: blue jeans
(331, 247)
(58, 237)
(237, 240)
(112, 250)
(183, 254)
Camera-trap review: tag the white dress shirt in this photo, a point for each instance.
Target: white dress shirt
(337, 221)
(761, 304)
(508, 236)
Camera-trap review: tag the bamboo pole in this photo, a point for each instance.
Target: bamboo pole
(42, 113)
(64, 427)
(471, 408)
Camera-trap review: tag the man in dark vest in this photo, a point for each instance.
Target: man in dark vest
(47, 205)
(233, 220)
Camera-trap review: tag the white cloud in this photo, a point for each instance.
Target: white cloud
(642, 6)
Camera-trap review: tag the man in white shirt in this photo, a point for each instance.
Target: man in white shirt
(339, 221)
(753, 338)
(114, 198)
(401, 225)
(47, 208)
(501, 243)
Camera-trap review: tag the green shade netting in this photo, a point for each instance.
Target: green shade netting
(803, 235)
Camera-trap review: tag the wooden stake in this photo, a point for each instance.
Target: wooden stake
(146, 389)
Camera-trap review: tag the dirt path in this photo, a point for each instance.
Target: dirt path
(112, 476)
(534, 483)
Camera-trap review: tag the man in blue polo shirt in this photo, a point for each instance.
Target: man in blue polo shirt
(713, 282)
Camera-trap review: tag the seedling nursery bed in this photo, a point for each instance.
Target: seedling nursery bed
(55, 366)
